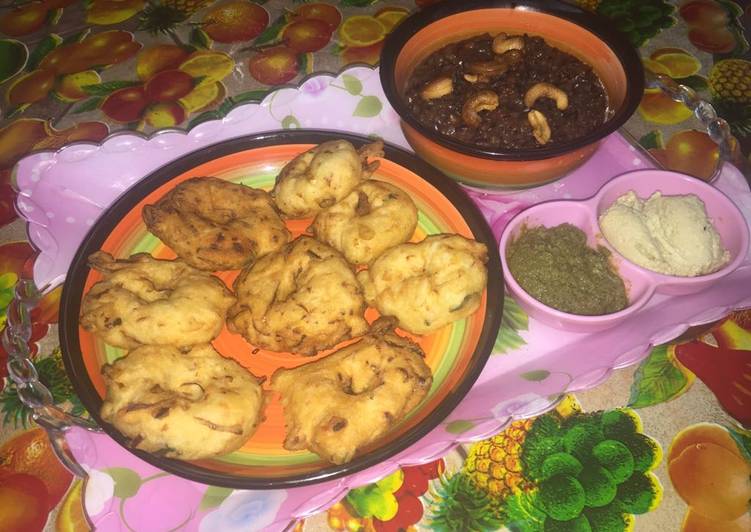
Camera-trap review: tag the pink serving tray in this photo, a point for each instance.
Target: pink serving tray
(61, 194)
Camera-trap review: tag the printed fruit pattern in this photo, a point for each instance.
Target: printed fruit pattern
(32, 480)
(730, 86)
(689, 151)
(491, 474)
(71, 517)
(391, 504)
(282, 51)
(235, 21)
(711, 472)
(361, 36)
(339, 517)
(173, 83)
(640, 20)
(106, 12)
(163, 16)
(713, 25)
(587, 471)
(656, 106)
(28, 17)
(24, 135)
(67, 68)
(726, 368)
(23, 502)
(494, 465)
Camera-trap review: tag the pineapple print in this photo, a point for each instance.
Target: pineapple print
(473, 499)
(730, 83)
(162, 16)
(186, 6)
(730, 80)
(494, 465)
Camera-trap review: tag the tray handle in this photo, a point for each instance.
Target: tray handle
(31, 391)
(717, 128)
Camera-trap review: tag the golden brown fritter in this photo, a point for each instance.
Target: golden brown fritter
(186, 403)
(372, 218)
(301, 299)
(321, 176)
(214, 224)
(143, 300)
(352, 397)
(428, 284)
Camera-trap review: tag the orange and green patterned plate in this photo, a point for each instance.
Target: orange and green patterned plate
(456, 353)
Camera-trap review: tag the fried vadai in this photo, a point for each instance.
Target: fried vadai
(185, 403)
(342, 402)
(213, 224)
(143, 300)
(321, 176)
(301, 299)
(372, 218)
(428, 284)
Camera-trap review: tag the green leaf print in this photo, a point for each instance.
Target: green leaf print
(368, 106)
(351, 84)
(459, 426)
(657, 379)
(271, 33)
(45, 46)
(513, 320)
(88, 105)
(536, 375)
(108, 87)
(200, 39)
(127, 481)
(652, 140)
(214, 496)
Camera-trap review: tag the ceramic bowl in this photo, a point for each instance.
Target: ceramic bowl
(568, 28)
(641, 284)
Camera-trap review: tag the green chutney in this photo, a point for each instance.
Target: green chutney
(555, 266)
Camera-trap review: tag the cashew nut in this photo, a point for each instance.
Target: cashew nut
(540, 127)
(488, 68)
(546, 89)
(503, 43)
(472, 78)
(437, 88)
(481, 101)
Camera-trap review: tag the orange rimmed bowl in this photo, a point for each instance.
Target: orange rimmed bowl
(455, 353)
(584, 35)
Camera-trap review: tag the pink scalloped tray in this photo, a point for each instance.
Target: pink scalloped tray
(61, 195)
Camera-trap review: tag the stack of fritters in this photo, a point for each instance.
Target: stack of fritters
(173, 389)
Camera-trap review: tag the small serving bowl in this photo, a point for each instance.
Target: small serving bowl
(641, 284)
(568, 28)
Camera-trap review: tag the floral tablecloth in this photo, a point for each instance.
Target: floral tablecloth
(658, 446)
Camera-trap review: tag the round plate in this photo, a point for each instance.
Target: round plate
(456, 353)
